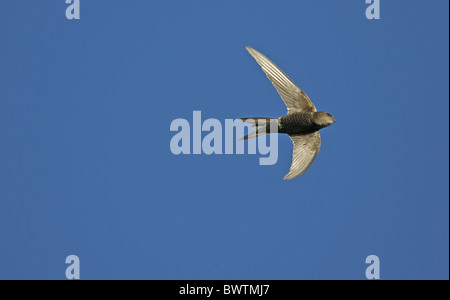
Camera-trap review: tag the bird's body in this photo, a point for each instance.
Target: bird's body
(297, 123)
(302, 122)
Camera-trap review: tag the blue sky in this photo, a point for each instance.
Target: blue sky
(86, 167)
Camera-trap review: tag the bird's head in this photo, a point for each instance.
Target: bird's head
(323, 119)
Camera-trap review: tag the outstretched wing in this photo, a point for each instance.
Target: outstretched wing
(306, 148)
(295, 99)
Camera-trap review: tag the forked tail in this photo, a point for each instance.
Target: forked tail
(260, 125)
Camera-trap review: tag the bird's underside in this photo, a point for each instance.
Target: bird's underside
(298, 123)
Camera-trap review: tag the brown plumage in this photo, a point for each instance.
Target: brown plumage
(302, 122)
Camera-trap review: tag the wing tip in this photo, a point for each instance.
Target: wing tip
(251, 50)
(286, 178)
(289, 176)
